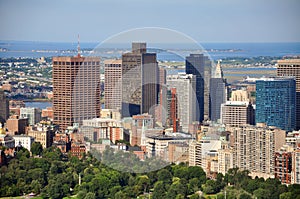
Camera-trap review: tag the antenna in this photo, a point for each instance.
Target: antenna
(78, 48)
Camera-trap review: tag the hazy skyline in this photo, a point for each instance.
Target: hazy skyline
(204, 21)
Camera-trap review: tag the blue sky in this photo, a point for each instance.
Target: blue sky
(203, 20)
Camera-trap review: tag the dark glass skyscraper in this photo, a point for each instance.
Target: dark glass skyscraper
(139, 81)
(4, 107)
(194, 64)
(217, 93)
(276, 102)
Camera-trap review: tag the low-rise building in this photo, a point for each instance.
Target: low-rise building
(48, 113)
(23, 140)
(62, 141)
(178, 152)
(16, 125)
(42, 133)
(78, 149)
(102, 128)
(7, 141)
(157, 145)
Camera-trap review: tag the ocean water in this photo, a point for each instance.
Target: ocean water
(169, 52)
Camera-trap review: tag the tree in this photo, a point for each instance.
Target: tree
(210, 187)
(295, 190)
(194, 185)
(52, 153)
(195, 196)
(262, 193)
(165, 176)
(196, 172)
(252, 186)
(286, 195)
(159, 190)
(90, 195)
(22, 154)
(120, 195)
(36, 148)
(245, 196)
(177, 188)
(81, 194)
(143, 182)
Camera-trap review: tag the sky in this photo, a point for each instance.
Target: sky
(202, 20)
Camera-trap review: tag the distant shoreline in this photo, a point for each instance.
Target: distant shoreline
(37, 100)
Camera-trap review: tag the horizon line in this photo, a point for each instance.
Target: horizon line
(200, 42)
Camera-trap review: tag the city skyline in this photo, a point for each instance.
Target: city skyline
(205, 21)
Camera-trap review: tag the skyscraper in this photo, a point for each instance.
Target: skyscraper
(4, 107)
(194, 64)
(217, 93)
(291, 67)
(276, 102)
(207, 76)
(139, 81)
(113, 84)
(172, 109)
(186, 98)
(161, 109)
(76, 89)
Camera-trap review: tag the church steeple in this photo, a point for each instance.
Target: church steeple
(218, 71)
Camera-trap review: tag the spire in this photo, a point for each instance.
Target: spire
(78, 48)
(218, 71)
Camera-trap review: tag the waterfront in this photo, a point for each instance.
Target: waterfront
(177, 51)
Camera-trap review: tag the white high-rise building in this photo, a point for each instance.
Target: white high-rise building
(186, 97)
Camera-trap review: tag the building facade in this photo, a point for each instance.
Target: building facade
(23, 140)
(16, 125)
(140, 123)
(172, 109)
(276, 102)
(195, 153)
(254, 148)
(217, 93)
(283, 166)
(195, 65)
(4, 107)
(33, 115)
(185, 85)
(102, 128)
(139, 81)
(291, 67)
(113, 84)
(76, 89)
(296, 167)
(237, 113)
(42, 133)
